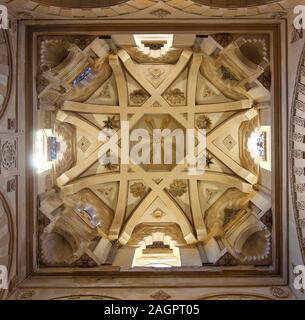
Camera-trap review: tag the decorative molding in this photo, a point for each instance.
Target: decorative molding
(48, 182)
(297, 167)
(231, 199)
(171, 56)
(111, 166)
(11, 124)
(111, 123)
(203, 122)
(138, 190)
(24, 15)
(266, 78)
(9, 154)
(208, 160)
(84, 144)
(279, 15)
(279, 292)
(296, 34)
(160, 13)
(224, 39)
(178, 188)
(198, 8)
(26, 295)
(155, 73)
(158, 214)
(85, 297)
(237, 296)
(244, 132)
(210, 194)
(105, 92)
(105, 191)
(209, 92)
(138, 96)
(229, 142)
(11, 185)
(144, 230)
(160, 295)
(87, 198)
(175, 96)
(227, 75)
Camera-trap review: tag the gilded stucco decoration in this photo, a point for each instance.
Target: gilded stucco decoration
(218, 208)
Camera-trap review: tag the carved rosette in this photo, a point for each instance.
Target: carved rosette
(138, 189)
(178, 188)
(160, 295)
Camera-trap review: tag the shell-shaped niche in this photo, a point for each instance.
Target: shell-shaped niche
(53, 52)
(257, 246)
(254, 50)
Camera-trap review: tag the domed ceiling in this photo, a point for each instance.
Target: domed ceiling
(234, 3)
(83, 4)
(148, 214)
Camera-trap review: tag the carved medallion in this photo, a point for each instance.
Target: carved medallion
(160, 13)
(279, 292)
(203, 122)
(229, 142)
(84, 144)
(138, 190)
(158, 214)
(155, 73)
(178, 188)
(174, 96)
(160, 295)
(105, 93)
(138, 96)
(8, 155)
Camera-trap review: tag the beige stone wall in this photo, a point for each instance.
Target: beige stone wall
(295, 51)
(11, 140)
(164, 293)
